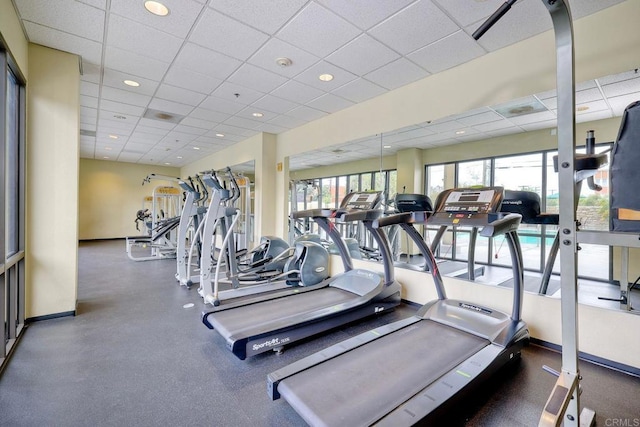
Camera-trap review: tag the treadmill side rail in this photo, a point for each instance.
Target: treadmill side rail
(435, 396)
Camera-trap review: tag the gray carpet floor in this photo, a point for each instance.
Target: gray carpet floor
(136, 354)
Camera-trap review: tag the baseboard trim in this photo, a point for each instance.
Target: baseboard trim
(50, 316)
(596, 360)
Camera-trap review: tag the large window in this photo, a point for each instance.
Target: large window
(531, 172)
(12, 216)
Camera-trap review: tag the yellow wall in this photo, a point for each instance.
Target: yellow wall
(53, 111)
(12, 33)
(110, 195)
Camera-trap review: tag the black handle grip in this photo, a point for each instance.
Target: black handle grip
(493, 19)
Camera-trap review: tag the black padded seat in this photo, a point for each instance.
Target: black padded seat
(527, 204)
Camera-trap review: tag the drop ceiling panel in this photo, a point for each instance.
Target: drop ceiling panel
(466, 12)
(115, 79)
(583, 8)
(310, 76)
(86, 21)
(362, 55)
(593, 116)
(528, 119)
(121, 108)
(266, 57)
(448, 52)
(274, 104)
(178, 22)
(359, 90)
(159, 124)
(180, 95)
(622, 87)
(619, 103)
(479, 119)
(209, 115)
(545, 124)
(89, 50)
(236, 93)
(396, 74)
(297, 92)
(188, 79)
(218, 32)
(89, 89)
(222, 105)
(206, 61)
(329, 103)
(170, 106)
(267, 16)
(198, 123)
(306, 113)
(406, 31)
(308, 30)
(124, 96)
(88, 101)
(148, 41)
(361, 13)
(287, 122)
(189, 130)
(257, 78)
(135, 64)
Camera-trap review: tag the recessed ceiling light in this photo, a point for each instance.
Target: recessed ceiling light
(167, 163)
(196, 148)
(156, 8)
(107, 148)
(257, 114)
(113, 136)
(178, 157)
(132, 83)
(386, 146)
(326, 77)
(106, 158)
(460, 132)
(582, 108)
(220, 135)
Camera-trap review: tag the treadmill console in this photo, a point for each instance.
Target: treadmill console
(467, 206)
(362, 200)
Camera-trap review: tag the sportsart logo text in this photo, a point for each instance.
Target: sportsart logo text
(275, 342)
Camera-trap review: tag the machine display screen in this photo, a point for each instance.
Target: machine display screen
(470, 201)
(365, 200)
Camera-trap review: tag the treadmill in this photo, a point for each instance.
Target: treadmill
(415, 369)
(270, 321)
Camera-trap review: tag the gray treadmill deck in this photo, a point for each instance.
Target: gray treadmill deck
(256, 318)
(361, 386)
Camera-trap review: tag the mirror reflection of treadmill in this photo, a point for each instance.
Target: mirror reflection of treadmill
(416, 369)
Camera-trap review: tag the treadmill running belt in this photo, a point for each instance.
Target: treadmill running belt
(361, 386)
(256, 318)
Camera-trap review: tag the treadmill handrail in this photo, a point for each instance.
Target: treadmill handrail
(505, 223)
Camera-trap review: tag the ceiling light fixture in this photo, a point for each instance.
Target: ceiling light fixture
(283, 62)
(386, 146)
(582, 108)
(113, 136)
(220, 135)
(196, 148)
(326, 77)
(460, 132)
(131, 83)
(257, 114)
(106, 158)
(167, 163)
(107, 148)
(156, 8)
(178, 157)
